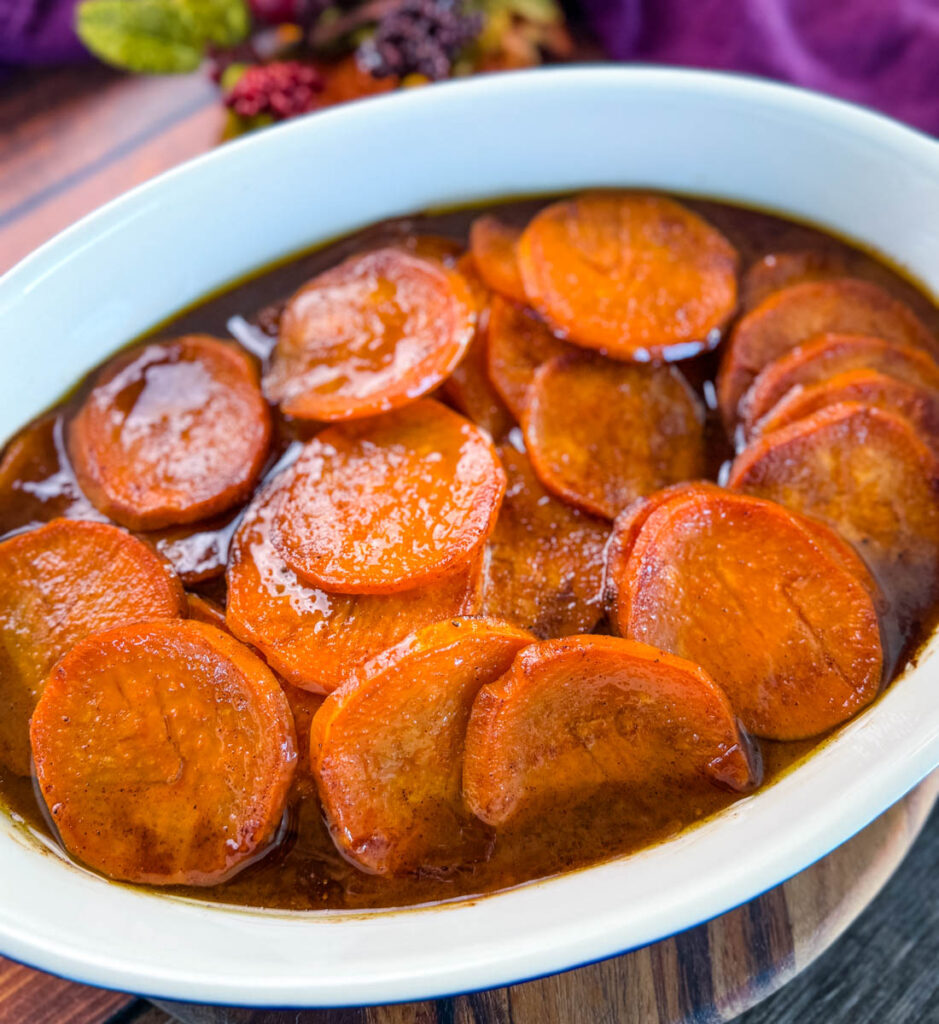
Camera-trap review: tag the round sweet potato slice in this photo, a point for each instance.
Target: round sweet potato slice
(369, 335)
(494, 246)
(392, 504)
(638, 277)
(777, 270)
(313, 639)
(171, 433)
(864, 472)
(913, 402)
(518, 343)
(797, 314)
(58, 584)
(545, 569)
(469, 389)
(577, 716)
(601, 434)
(164, 752)
(387, 751)
(749, 591)
(825, 357)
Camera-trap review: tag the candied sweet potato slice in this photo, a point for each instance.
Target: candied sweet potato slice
(918, 404)
(389, 504)
(601, 434)
(303, 706)
(203, 609)
(58, 584)
(797, 314)
(545, 568)
(494, 246)
(387, 751)
(174, 432)
(369, 335)
(636, 276)
(469, 389)
(777, 270)
(164, 752)
(781, 617)
(518, 343)
(828, 355)
(316, 640)
(575, 716)
(864, 472)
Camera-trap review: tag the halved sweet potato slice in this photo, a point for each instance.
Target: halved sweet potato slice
(389, 504)
(777, 270)
(576, 716)
(164, 752)
(303, 706)
(469, 388)
(518, 343)
(828, 355)
(494, 246)
(372, 334)
(865, 472)
(58, 584)
(315, 640)
(799, 313)
(387, 751)
(636, 276)
(913, 402)
(174, 432)
(780, 616)
(545, 569)
(601, 434)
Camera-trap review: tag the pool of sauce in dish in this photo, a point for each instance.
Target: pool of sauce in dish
(304, 871)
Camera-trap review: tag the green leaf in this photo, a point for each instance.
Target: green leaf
(150, 36)
(541, 12)
(221, 22)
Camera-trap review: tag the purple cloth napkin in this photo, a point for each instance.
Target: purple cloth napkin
(882, 53)
(38, 32)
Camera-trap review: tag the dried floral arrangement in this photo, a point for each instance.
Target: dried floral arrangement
(275, 59)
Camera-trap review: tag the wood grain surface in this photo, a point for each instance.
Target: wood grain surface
(70, 139)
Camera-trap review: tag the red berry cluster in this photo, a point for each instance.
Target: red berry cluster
(280, 90)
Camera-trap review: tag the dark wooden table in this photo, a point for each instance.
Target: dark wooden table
(70, 139)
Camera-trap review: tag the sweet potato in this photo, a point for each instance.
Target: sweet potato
(494, 246)
(799, 313)
(638, 277)
(864, 472)
(777, 270)
(369, 335)
(303, 707)
(164, 752)
(780, 616)
(58, 584)
(601, 434)
(316, 640)
(202, 609)
(469, 389)
(387, 751)
(826, 356)
(576, 716)
(915, 403)
(545, 570)
(171, 433)
(518, 343)
(389, 504)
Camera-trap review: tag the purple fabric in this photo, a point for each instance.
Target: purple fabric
(882, 53)
(38, 32)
